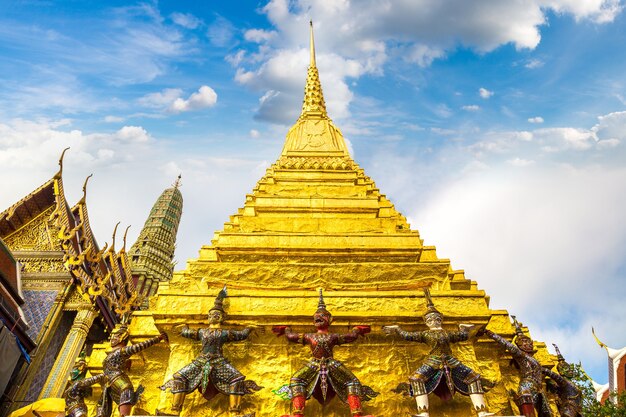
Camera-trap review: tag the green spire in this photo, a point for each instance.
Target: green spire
(151, 256)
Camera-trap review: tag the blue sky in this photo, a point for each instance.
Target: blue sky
(497, 128)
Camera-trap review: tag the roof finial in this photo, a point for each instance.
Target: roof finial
(312, 46)
(85, 188)
(125, 233)
(113, 237)
(177, 183)
(598, 341)
(61, 160)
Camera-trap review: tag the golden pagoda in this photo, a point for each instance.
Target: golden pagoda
(316, 220)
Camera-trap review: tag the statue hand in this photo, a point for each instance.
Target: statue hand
(257, 328)
(279, 330)
(481, 330)
(485, 332)
(391, 329)
(466, 327)
(181, 327)
(362, 330)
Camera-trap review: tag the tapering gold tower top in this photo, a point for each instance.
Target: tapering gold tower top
(313, 98)
(314, 135)
(312, 46)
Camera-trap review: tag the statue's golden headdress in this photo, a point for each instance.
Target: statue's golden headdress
(219, 300)
(430, 307)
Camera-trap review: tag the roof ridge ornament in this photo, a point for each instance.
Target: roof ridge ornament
(177, 184)
(84, 198)
(58, 175)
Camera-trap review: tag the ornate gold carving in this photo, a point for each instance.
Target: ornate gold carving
(326, 163)
(35, 235)
(42, 265)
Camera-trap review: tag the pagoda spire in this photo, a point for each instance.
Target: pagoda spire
(151, 256)
(314, 135)
(313, 104)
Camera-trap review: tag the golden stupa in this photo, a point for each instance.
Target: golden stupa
(316, 220)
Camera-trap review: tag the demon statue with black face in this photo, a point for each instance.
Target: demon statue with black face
(211, 373)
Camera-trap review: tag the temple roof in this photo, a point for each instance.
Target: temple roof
(27, 208)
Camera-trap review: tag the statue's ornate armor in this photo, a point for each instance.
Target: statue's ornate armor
(75, 396)
(440, 365)
(324, 371)
(118, 387)
(211, 372)
(570, 398)
(530, 388)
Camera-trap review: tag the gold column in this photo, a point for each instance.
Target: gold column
(57, 379)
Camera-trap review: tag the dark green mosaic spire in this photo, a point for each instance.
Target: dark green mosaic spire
(151, 256)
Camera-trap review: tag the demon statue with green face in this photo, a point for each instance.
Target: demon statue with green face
(211, 373)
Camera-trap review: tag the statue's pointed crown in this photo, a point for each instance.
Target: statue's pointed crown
(430, 307)
(518, 327)
(558, 353)
(219, 300)
(321, 305)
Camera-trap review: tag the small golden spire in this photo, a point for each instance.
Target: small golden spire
(313, 104)
(312, 46)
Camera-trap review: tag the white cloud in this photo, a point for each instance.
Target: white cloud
(536, 119)
(471, 107)
(567, 138)
(259, 35)
(204, 98)
(416, 31)
(133, 134)
(534, 63)
(113, 119)
(170, 100)
(598, 11)
(221, 32)
(161, 99)
(281, 79)
(519, 162)
(186, 20)
(484, 93)
(254, 133)
(65, 73)
(423, 55)
(515, 234)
